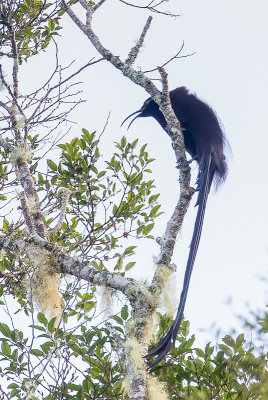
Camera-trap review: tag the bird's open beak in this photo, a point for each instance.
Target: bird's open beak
(136, 112)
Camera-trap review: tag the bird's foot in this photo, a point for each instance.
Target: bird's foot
(191, 160)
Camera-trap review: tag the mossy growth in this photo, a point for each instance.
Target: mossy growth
(20, 153)
(134, 350)
(156, 389)
(44, 283)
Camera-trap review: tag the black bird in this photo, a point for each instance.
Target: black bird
(204, 141)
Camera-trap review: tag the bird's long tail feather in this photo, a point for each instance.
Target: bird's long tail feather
(204, 180)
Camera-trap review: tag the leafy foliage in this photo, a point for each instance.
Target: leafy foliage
(230, 370)
(82, 362)
(87, 366)
(33, 23)
(108, 204)
(103, 208)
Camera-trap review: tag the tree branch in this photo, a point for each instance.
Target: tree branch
(136, 293)
(65, 200)
(19, 158)
(140, 79)
(135, 50)
(139, 379)
(151, 7)
(59, 84)
(6, 146)
(26, 212)
(98, 5)
(175, 57)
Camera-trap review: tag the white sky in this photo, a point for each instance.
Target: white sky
(229, 71)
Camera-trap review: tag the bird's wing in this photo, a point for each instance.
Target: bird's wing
(204, 180)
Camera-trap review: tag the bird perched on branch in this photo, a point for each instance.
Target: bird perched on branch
(204, 141)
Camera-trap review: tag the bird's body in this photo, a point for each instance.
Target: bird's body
(204, 141)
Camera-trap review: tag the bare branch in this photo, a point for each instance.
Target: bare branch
(135, 50)
(105, 125)
(151, 7)
(15, 62)
(140, 79)
(8, 275)
(98, 5)
(168, 240)
(58, 85)
(65, 200)
(175, 57)
(174, 132)
(73, 16)
(6, 146)
(83, 4)
(19, 157)
(165, 91)
(136, 76)
(5, 106)
(137, 293)
(15, 106)
(26, 212)
(10, 245)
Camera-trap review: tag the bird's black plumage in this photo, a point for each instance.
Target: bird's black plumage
(204, 140)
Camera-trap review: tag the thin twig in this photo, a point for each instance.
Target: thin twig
(152, 7)
(175, 57)
(65, 200)
(60, 84)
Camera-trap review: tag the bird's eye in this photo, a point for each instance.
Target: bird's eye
(145, 104)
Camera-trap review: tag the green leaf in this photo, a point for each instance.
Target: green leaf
(229, 341)
(190, 341)
(148, 229)
(61, 12)
(209, 349)
(123, 141)
(129, 250)
(154, 210)
(119, 264)
(240, 340)
(41, 318)
(15, 392)
(51, 325)
(153, 198)
(13, 386)
(199, 352)
(124, 313)
(52, 165)
(226, 350)
(185, 328)
(46, 347)
(6, 350)
(5, 330)
(101, 174)
(118, 319)
(15, 355)
(134, 143)
(130, 265)
(51, 24)
(37, 352)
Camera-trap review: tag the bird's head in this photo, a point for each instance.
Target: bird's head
(148, 109)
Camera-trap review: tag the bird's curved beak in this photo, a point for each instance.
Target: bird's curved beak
(136, 112)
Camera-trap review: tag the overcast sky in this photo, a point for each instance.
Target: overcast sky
(229, 71)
